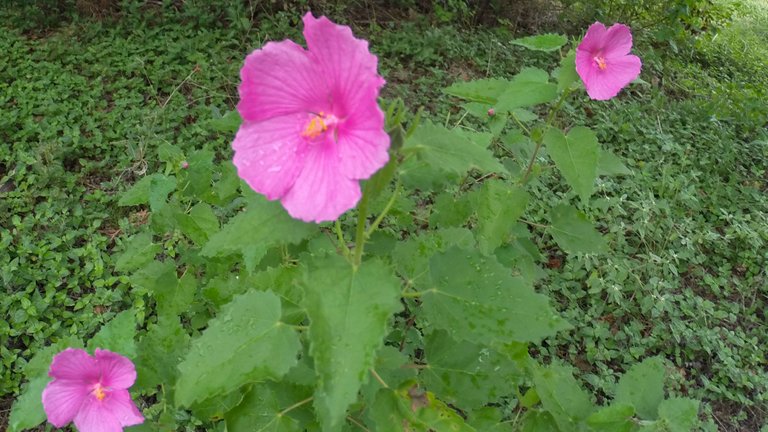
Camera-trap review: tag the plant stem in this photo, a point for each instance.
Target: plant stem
(384, 212)
(362, 213)
(378, 378)
(539, 140)
(294, 406)
(340, 236)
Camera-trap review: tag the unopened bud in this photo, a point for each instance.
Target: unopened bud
(491, 112)
(184, 165)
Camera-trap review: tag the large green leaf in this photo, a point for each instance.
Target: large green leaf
(566, 74)
(261, 410)
(27, 411)
(139, 250)
(173, 295)
(473, 297)
(246, 342)
(498, 206)
(467, 375)
(576, 156)
(451, 150)
(679, 414)
(610, 164)
(152, 189)
(614, 418)
(543, 42)
(349, 311)
(573, 232)
(159, 353)
(642, 386)
(562, 396)
(117, 335)
(262, 225)
(199, 224)
(529, 87)
(416, 411)
(485, 90)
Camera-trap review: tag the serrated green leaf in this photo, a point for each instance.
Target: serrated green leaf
(262, 225)
(226, 188)
(488, 419)
(349, 311)
(573, 232)
(139, 250)
(117, 335)
(199, 224)
(171, 155)
(474, 297)
(566, 74)
(527, 88)
(562, 396)
(642, 386)
(152, 189)
(467, 375)
(483, 90)
(228, 123)
(173, 295)
(260, 411)
(498, 206)
(679, 414)
(610, 164)
(452, 151)
(196, 179)
(614, 418)
(214, 408)
(245, 343)
(524, 115)
(576, 157)
(389, 365)
(538, 421)
(414, 411)
(159, 353)
(412, 256)
(27, 411)
(449, 210)
(543, 42)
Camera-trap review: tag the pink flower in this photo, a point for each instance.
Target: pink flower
(603, 60)
(92, 391)
(312, 127)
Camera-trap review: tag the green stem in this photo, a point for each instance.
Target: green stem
(539, 140)
(340, 236)
(384, 212)
(362, 213)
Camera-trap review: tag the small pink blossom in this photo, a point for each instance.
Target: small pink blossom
(491, 112)
(184, 164)
(312, 127)
(603, 60)
(91, 391)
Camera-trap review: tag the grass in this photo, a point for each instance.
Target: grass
(85, 106)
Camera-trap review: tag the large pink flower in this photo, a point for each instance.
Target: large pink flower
(312, 127)
(91, 391)
(603, 60)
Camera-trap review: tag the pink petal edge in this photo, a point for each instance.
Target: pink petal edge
(117, 371)
(62, 400)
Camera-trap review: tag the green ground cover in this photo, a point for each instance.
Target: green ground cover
(86, 104)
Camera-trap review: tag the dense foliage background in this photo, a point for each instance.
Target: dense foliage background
(90, 91)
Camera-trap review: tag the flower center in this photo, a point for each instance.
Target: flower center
(600, 60)
(318, 124)
(100, 392)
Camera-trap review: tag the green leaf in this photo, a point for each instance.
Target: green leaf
(139, 250)
(262, 225)
(349, 311)
(544, 42)
(152, 189)
(529, 87)
(173, 295)
(117, 335)
(524, 115)
(228, 123)
(562, 396)
(566, 73)
(159, 353)
(614, 418)
(474, 297)
(538, 421)
(573, 232)
(576, 156)
(412, 256)
(679, 414)
(245, 343)
(467, 375)
(642, 386)
(261, 409)
(452, 151)
(488, 419)
(610, 164)
(196, 180)
(171, 155)
(498, 206)
(27, 411)
(483, 90)
(414, 411)
(199, 224)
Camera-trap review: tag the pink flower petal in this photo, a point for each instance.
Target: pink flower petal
(617, 41)
(363, 143)
(606, 84)
(120, 405)
(593, 40)
(117, 372)
(321, 193)
(280, 79)
(346, 64)
(94, 416)
(269, 154)
(74, 364)
(62, 400)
